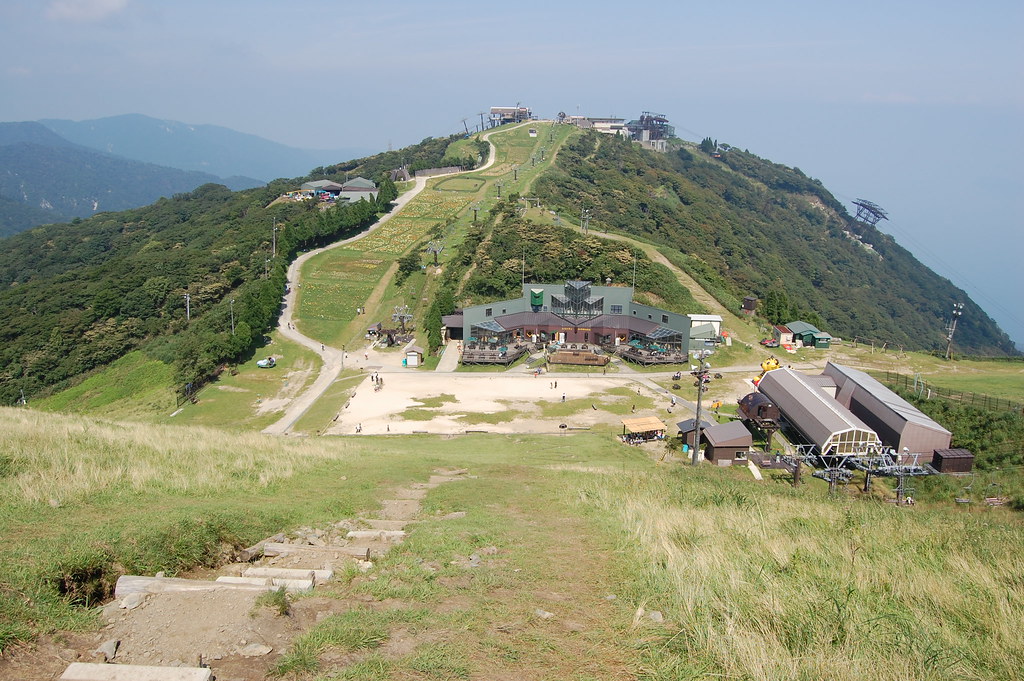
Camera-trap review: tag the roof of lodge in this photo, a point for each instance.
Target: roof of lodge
(322, 184)
(518, 320)
(802, 327)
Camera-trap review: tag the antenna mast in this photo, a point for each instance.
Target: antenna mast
(958, 310)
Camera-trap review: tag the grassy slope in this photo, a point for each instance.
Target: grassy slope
(754, 581)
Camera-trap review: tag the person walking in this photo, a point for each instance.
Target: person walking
(563, 397)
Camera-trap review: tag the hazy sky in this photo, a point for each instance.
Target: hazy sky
(916, 106)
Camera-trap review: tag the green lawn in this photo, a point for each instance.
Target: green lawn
(232, 401)
(134, 386)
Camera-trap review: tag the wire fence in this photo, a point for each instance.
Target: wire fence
(921, 388)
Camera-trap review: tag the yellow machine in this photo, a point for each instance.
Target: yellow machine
(769, 364)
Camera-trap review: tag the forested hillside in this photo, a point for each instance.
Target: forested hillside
(749, 226)
(74, 297)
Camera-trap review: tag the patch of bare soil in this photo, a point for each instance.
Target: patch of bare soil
(293, 383)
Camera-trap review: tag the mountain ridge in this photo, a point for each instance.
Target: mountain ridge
(208, 148)
(46, 178)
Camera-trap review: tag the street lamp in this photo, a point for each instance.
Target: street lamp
(703, 369)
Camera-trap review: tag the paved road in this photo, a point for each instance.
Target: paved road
(333, 358)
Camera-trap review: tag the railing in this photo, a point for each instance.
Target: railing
(921, 388)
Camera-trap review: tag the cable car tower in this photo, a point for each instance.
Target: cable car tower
(869, 213)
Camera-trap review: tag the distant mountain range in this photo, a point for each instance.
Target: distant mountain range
(206, 148)
(46, 178)
(58, 170)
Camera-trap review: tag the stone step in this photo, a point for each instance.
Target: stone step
(393, 536)
(325, 552)
(289, 573)
(84, 671)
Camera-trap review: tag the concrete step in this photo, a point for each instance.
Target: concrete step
(293, 585)
(229, 579)
(129, 584)
(289, 573)
(83, 671)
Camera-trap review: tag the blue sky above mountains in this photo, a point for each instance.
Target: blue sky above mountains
(916, 106)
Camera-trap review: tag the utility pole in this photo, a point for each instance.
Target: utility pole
(273, 249)
(634, 271)
(958, 310)
(701, 375)
(499, 184)
(231, 304)
(515, 173)
(188, 307)
(266, 268)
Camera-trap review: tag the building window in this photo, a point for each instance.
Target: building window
(648, 316)
(664, 319)
(616, 309)
(502, 310)
(488, 312)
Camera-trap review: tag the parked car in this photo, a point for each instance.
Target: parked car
(268, 363)
(769, 342)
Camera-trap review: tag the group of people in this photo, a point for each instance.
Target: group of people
(640, 438)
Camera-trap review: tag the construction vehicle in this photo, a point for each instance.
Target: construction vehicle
(770, 364)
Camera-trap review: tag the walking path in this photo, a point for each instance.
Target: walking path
(188, 629)
(334, 358)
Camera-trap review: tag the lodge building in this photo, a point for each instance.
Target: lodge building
(572, 313)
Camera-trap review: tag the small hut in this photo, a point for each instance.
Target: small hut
(413, 356)
(727, 442)
(953, 460)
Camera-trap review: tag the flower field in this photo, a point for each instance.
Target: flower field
(396, 235)
(433, 205)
